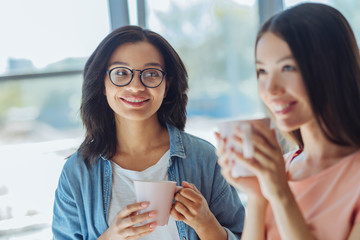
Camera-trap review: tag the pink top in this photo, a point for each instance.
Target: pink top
(329, 201)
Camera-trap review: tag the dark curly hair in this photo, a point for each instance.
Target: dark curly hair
(96, 114)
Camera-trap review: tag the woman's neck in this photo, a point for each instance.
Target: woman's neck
(319, 153)
(318, 147)
(139, 136)
(141, 144)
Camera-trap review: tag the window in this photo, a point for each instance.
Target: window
(44, 45)
(43, 35)
(215, 39)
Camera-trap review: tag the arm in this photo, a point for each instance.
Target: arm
(225, 204)
(255, 219)
(269, 167)
(218, 198)
(192, 208)
(224, 210)
(254, 227)
(66, 222)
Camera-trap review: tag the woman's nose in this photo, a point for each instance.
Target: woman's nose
(136, 84)
(274, 84)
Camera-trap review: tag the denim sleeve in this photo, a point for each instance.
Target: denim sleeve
(226, 206)
(66, 222)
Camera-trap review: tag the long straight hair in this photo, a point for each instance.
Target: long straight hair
(325, 48)
(97, 116)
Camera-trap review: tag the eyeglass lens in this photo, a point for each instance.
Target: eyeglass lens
(150, 77)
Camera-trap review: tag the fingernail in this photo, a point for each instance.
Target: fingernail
(152, 225)
(152, 214)
(144, 204)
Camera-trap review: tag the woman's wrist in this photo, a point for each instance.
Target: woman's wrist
(211, 230)
(103, 236)
(256, 206)
(283, 196)
(257, 200)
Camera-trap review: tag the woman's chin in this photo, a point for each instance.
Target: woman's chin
(286, 127)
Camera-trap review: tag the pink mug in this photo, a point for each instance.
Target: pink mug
(160, 194)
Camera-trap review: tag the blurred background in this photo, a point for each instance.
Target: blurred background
(43, 47)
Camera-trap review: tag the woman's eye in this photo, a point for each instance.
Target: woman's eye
(289, 68)
(151, 74)
(261, 72)
(121, 73)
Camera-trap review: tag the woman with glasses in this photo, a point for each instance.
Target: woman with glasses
(133, 109)
(308, 69)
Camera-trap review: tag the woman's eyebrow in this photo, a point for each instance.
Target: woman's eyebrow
(118, 63)
(285, 58)
(152, 64)
(278, 61)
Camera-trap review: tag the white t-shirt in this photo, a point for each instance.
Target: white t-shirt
(123, 194)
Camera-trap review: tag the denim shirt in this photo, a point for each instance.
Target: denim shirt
(82, 197)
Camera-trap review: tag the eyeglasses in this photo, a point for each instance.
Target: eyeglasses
(149, 77)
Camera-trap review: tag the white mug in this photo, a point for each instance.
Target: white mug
(227, 130)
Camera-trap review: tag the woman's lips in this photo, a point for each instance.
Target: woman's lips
(135, 102)
(283, 108)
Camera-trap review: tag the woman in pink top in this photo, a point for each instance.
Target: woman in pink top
(308, 70)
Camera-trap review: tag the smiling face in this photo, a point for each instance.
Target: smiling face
(135, 101)
(280, 83)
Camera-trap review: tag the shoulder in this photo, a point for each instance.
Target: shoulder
(195, 141)
(356, 157)
(74, 163)
(184, 144)
(352, 165)
(198, 153)
(72, 170)
(178, 136)
(76, 175)
(75, 168)
(198, 148)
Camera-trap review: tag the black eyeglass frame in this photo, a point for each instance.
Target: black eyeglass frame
(132, 76)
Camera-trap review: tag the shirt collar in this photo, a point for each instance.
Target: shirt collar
(176, 142)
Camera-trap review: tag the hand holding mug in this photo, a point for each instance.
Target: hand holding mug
(126, 223)
(249, 184)
(191, 207)
(267, 163)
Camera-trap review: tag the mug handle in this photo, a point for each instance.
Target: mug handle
(178, 188)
